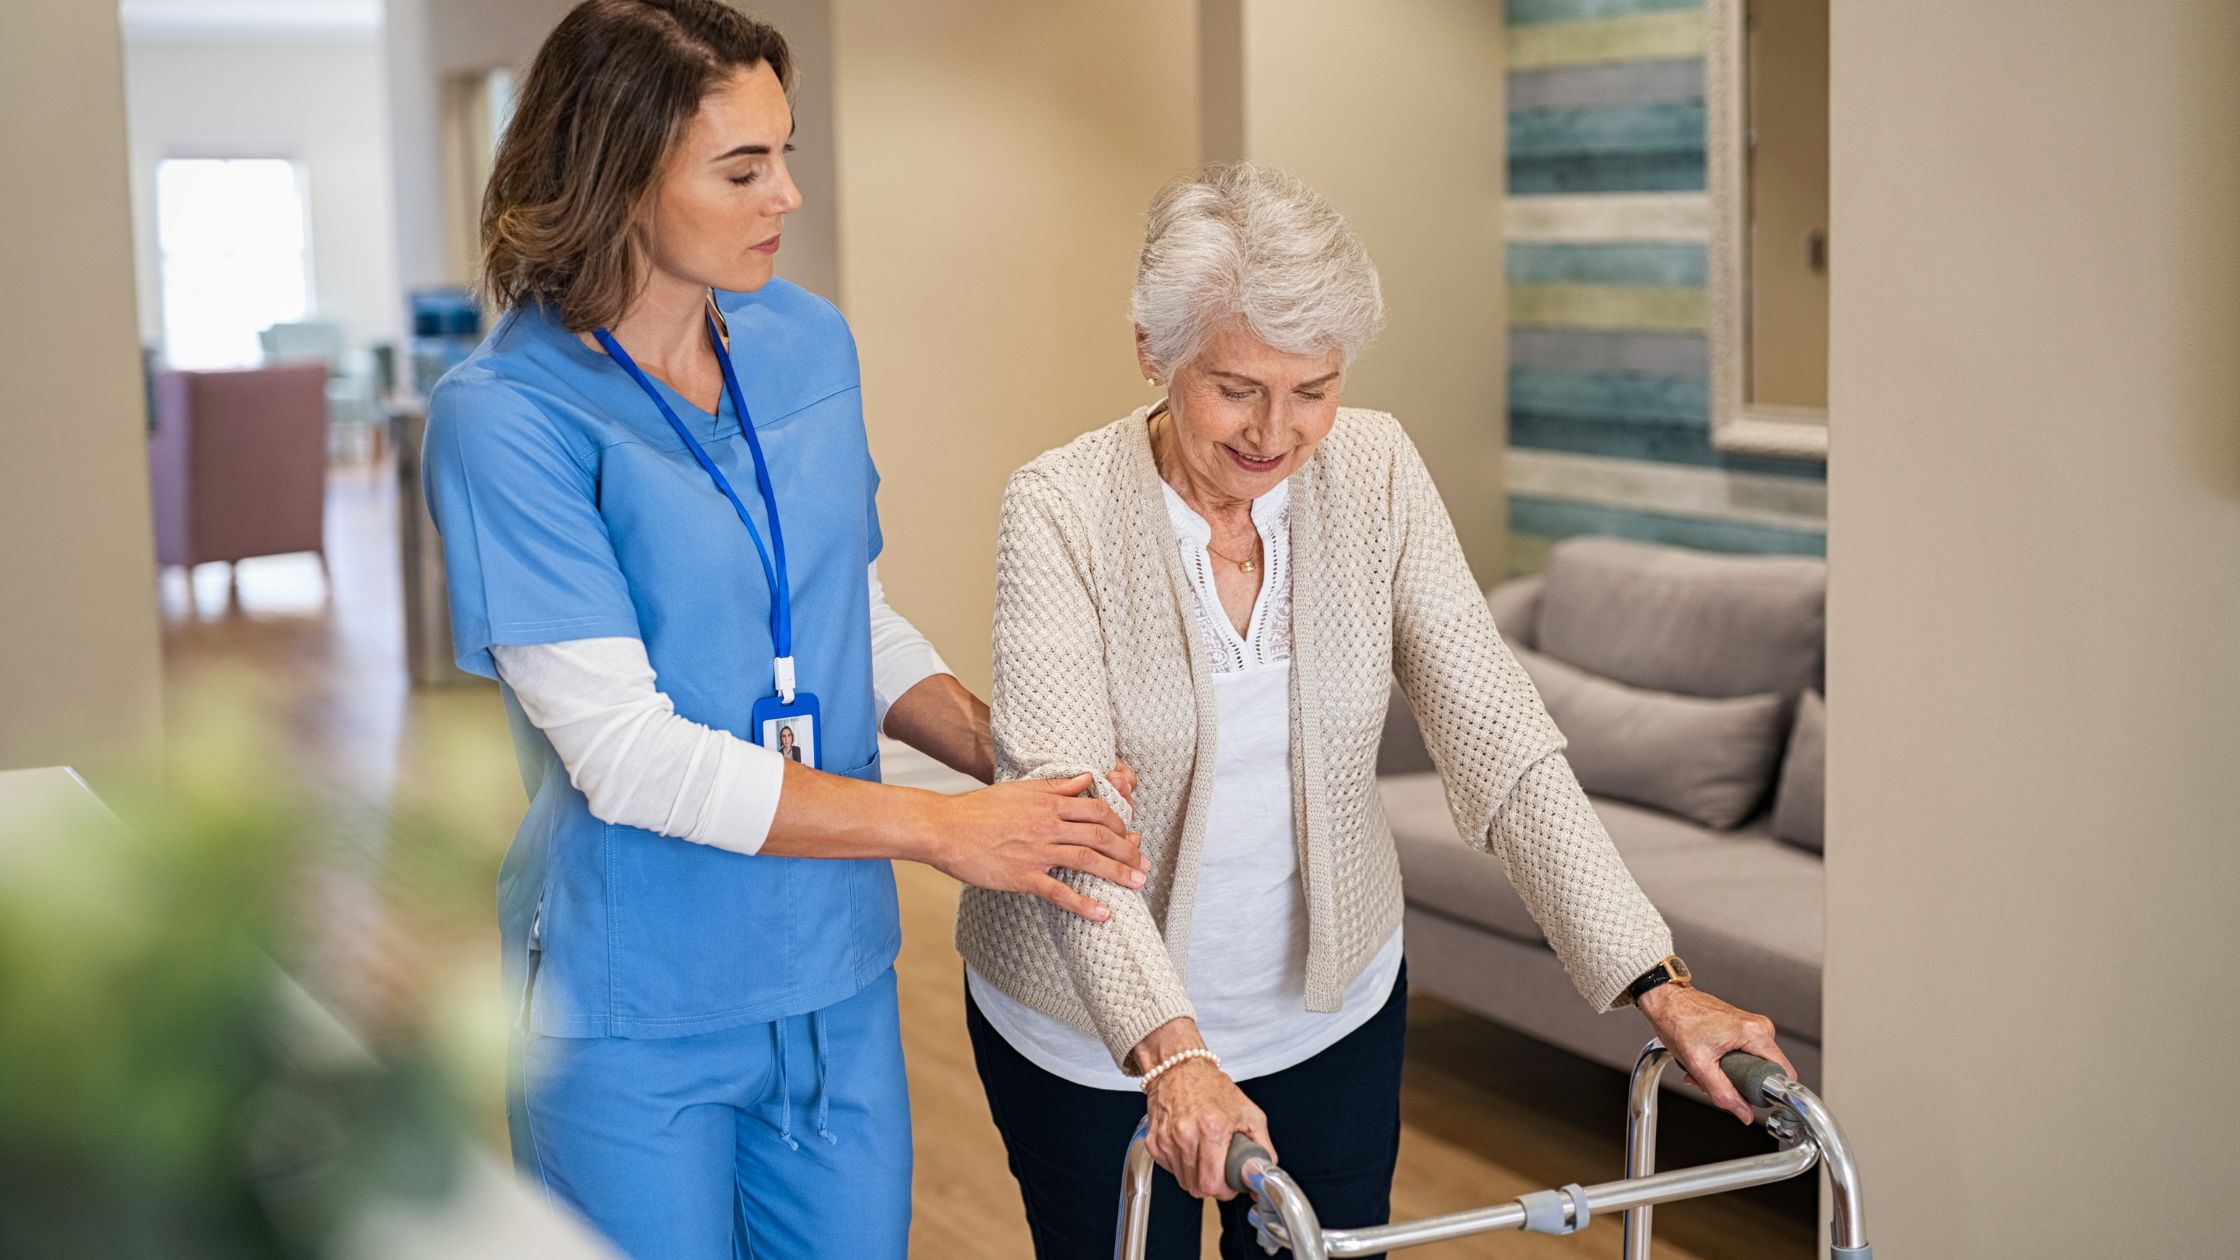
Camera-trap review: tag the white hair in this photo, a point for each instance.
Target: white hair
(1238, 239)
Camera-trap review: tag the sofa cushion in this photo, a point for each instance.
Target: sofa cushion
(1710, 760)
(1515, 605)
(1438, 870)
(1745, 909)
(1800, 807)
(1688, 621)
(1402, 750)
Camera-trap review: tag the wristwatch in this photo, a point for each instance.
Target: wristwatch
(1670, 971)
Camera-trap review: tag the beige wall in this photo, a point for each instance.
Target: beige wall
(811, 254)
(2035, 691)
(995, 161)
(1396, 113)
(79, 677)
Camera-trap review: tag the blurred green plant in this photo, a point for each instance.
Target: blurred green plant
(167, 1089)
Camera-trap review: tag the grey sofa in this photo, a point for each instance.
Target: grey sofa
(1669, 671)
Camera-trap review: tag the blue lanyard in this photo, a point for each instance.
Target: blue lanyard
(773, 570)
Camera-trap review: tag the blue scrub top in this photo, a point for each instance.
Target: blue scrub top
(570, 510)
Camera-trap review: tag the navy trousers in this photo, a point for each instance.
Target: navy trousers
(1334, 1119)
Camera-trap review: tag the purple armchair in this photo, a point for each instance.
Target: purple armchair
(238, 463)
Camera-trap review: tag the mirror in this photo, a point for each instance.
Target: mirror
(1766, 100)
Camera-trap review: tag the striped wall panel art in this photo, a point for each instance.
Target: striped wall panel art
(1609, 410)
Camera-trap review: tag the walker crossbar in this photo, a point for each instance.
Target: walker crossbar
(1795, 1117)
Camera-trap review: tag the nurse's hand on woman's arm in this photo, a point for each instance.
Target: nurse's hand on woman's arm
(1007, 837)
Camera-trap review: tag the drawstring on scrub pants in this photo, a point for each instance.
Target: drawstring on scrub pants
(785, 1081)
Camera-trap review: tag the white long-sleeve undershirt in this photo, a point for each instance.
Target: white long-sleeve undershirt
(641, 764)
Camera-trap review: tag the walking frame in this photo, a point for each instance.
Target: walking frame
(1795, 1117)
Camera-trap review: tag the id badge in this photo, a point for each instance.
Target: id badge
(790, 730)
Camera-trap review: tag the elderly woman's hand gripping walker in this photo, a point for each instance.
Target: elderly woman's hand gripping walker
(1220, 588)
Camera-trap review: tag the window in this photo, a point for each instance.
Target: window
(235, 257)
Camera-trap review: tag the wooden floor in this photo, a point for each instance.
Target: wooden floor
(1487, 1113)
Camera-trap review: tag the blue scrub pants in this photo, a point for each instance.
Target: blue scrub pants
(771, 1141)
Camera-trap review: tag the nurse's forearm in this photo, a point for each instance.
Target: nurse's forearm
(943, 720)
(831, 816)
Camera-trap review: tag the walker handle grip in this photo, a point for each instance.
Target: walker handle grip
(1241, 1149)
(1750, 1074)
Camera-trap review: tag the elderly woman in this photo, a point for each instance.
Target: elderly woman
(1219, 589)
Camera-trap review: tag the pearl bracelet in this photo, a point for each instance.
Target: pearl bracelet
(1176, 1059)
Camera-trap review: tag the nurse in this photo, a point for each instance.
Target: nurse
(657, 509)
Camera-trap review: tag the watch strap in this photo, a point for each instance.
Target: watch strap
(1669, 971)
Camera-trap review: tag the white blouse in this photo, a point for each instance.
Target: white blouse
(1248, 951)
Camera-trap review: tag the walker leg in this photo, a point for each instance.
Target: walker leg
(1847, 1228)
(1300, 1228)
(1641, 1139)
(1135, 1198)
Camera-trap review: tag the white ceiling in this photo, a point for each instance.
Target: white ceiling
(250, 19)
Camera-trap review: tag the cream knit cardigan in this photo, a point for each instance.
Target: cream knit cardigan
(1096, 659)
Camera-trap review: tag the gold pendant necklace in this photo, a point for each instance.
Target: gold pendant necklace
(1247, 565)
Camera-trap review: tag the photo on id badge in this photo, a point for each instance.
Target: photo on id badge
(794, 737)
(788, 727)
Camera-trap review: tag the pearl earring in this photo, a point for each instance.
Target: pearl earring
(1152, 381)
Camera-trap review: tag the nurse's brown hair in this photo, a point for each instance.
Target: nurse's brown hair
(607, 98)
